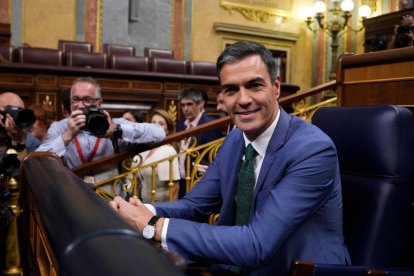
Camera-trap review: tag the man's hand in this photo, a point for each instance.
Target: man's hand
(16, 134)
(134, 212)
(76, 121)
(112, 126)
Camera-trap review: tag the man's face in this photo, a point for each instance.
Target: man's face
(403, 4)
(9, 99)
(249, 95)
(220, 104)
(408, 20)
(190, 108)
(82, 93)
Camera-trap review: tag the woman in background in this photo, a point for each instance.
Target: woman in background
(133, 116)
(45, 116)
(162, 178)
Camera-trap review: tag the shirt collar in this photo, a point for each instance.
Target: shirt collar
(260, 143)
(194, 123)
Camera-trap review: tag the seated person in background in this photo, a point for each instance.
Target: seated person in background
(78, 143)
(65, 102)
(403, 34)
(275, 182)
(403, 5)
(223, 111)
(192, 106)
(220, 106)
(162, 177)
(133, 116)
(45, 116)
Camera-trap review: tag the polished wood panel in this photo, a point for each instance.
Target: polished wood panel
(383, 77)
(120, 88)
(5, 33)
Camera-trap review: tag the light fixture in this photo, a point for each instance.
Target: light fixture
(335, 26)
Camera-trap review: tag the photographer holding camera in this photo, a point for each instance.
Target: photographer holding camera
(15, 142)
(15, 125)
(403, 34)
(89, 133)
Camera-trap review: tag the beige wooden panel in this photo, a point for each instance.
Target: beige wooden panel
(45, 22)
(397, 71)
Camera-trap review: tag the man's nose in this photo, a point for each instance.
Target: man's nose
(244, 96)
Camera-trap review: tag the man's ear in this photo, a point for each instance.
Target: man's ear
(277, 86)
(201, 103)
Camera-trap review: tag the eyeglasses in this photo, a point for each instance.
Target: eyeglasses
(86, 100)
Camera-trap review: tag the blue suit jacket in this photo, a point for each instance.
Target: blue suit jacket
(296, 210)
(204, 137)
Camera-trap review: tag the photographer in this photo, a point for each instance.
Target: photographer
(403, 34)
(15, 123)
(89, 133)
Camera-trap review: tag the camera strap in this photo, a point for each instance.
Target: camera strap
(80, 152)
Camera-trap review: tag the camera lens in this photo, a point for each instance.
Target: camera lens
(96, 122)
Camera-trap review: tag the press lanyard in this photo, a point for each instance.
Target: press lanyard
(80, 153)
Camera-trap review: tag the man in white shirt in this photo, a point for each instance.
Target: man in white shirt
(75, 143)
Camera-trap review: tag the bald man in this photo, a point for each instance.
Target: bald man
(11, 135)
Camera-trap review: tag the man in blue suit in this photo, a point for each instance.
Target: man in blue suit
(296, 206)
(192, 103)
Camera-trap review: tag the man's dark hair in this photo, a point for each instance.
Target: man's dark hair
(139, 118)
(65, 99)
(407, 14)
(243, 49)
(191, 93)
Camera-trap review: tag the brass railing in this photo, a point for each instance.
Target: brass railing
(127, 182)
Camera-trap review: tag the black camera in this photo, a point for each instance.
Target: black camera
(96, 122)
(404, 29)
(24, 118)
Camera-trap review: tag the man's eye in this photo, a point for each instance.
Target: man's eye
(230, 90)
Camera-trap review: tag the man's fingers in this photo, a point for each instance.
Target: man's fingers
(114, 205)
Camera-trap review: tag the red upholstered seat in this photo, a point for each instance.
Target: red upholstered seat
(166, 65)
(39, 55)
(129, 63)
(203, 68)
(118, 50)
(158, 53)
(75, 46)
(6, 53)
(87, 60)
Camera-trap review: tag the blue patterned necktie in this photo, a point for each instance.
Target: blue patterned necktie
(245, 186)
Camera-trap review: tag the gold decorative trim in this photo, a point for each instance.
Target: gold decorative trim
(99, 9)
(258, 11)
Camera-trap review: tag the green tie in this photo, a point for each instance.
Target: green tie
(245, 186)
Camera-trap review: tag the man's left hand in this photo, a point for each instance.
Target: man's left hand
(16, 134)
(112, 126)
(134, 212)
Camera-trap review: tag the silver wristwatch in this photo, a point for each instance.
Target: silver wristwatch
(149, 230)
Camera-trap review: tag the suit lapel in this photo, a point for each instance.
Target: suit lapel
(277, 140)
(234, 153)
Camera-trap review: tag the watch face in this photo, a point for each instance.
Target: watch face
(148, 231)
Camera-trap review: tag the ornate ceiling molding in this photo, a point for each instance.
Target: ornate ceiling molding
(259, 11)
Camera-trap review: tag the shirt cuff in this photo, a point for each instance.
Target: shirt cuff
(151, 208)
(164, 234)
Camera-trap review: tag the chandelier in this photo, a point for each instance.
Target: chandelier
(336, 23)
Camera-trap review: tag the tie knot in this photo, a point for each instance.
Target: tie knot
(250, 152)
